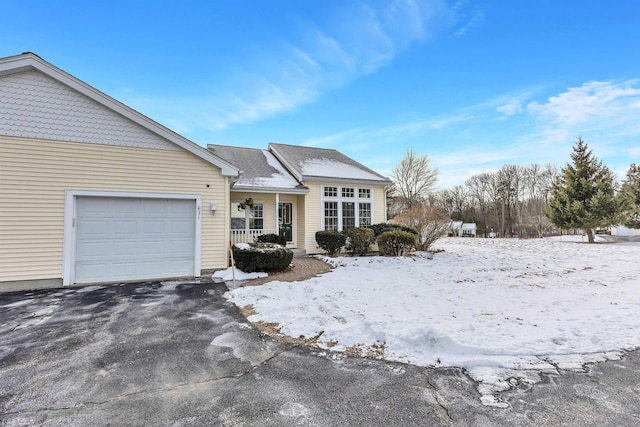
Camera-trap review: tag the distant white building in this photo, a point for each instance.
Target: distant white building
(621, 230)
(463, 229)
(469, 229)
(456, 228)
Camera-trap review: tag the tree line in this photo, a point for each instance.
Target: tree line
(523, 201)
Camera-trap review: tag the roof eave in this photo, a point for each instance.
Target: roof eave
(28, 61)
(313, 178)
(269, 190)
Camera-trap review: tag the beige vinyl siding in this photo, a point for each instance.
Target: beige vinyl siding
(313, 217)
(300, 220)
(34, 175)
(379, 205)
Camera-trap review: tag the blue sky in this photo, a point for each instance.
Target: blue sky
(472, 84)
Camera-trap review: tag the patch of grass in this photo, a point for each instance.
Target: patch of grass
(374, 351)
(248, 310)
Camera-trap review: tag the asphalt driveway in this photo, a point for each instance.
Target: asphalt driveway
(180, 355)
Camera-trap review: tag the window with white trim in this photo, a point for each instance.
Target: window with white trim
(364, 214)
(247, 218)
(330, 191)
(346, 207)
(331, 216)
(348, 192)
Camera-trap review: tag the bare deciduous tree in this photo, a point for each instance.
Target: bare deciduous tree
(430, 222)
(414, 178)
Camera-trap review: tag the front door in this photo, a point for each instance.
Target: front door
(285, 220)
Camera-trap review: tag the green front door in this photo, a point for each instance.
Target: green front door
(285, 220)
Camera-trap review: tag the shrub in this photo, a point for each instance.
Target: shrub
(396, 243)
(383, 227)
(359, 240)
(272, 238)
(431, 222)
(330, 241)
(261, 257)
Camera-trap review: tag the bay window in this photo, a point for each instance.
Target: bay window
(346, 207)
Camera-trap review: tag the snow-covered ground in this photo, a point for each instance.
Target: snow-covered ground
(504, 309)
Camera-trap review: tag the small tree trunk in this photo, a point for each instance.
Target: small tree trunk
(589, 235)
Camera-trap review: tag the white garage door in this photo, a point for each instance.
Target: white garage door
(129, 239)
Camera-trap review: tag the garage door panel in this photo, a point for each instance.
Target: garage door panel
(93, 250)
(123, 249)
(180, 248)
(93, 227)
(157, 207)
(180, 209)
(122, 207)
(124, 227)
(152, 227)
(180, 228)
(92, 271)
(179, 265)
(122, 239)
(149, 248)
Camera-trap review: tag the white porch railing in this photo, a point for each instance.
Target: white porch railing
(248, 236)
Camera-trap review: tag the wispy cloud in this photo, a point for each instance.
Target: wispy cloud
(510, 128)
(471, 23)
(356, 40)
(607, 109)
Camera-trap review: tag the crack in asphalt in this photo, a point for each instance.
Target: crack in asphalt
(151, 391)
(438, 399)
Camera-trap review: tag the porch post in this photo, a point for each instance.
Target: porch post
(275, 217)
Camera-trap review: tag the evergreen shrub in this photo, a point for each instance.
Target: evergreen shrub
(272, 238)
(359, 240)
(254, 257)
(396, 243)
(330, 241)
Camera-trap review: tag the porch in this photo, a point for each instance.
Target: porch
(249, 235)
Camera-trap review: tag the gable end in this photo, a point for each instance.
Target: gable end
(35, 105)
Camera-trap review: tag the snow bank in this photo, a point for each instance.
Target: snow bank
(501, 308)
(227, 275)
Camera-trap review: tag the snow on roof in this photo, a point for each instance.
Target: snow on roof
(306, 162)
(335, 169)
(260, 168)
(469, 226)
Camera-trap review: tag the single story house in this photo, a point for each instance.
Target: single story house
(463, 229)
(297, 191)
(92, 191)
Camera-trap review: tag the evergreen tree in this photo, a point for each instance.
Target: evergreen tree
(631, 193)
(583, 195)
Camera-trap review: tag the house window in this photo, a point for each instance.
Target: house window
(348, 215)
(330, 191)
(348, 192)
(364, 214)
(343, 210)
(247, 219)
(256, 217)
(331, 216)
